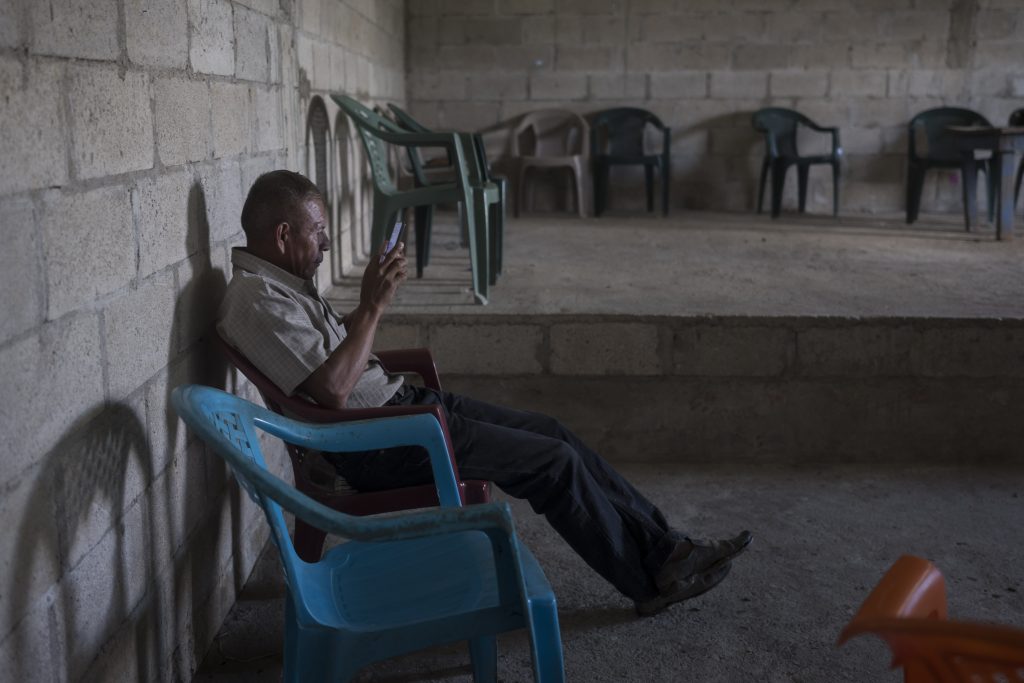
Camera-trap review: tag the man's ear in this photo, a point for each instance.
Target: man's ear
(282, 234)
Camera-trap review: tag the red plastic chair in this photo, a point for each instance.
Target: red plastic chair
(907, 609)
(309, 540)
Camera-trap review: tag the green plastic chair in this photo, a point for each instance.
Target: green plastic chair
(931, 145)
(779, 127)
(617, 139)
(495, 188)
(467, 185)
(399, 584)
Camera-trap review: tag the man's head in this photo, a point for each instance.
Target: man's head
(285, 222)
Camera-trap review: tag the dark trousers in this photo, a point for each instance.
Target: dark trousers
(610, 524)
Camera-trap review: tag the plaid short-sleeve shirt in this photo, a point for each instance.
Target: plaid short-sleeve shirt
(287, 330)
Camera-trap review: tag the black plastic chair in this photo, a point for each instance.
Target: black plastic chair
(424, 215)
(1017, 121)
(617, 139)
(931, 145)
(779, 127)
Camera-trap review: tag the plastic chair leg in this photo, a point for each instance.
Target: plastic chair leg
(423, 216)
(835, 188)
(915, 184)
(666, 175)
(474, 218)
(991, 169)
(761, 183)
(600, 188)
(1020, 177)
(801, 185)
(649, 185)
(969, 181)
(483, 652)
(582, 205)
(547, 641)
(778, 181)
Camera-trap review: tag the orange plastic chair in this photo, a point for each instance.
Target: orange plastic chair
(907, 609)
(308, 540)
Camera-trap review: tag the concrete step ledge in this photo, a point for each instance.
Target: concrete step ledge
(742, 389)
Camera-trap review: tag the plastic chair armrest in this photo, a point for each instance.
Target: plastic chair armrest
(667, 140)
(418, 361)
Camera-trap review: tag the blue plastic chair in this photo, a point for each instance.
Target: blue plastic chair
(401, 583)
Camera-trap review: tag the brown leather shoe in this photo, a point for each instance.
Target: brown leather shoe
(692, 557)
(697, 584)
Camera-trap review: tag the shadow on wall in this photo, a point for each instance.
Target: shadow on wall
(136, 530)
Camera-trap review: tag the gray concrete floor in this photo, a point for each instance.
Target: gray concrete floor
(823, 538)
(703, 263)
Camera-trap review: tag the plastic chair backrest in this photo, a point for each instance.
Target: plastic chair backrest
(550, 133)
(908, 610)
(368, 122)
(928, 138)
(1016, 119)
(229, 424)
(782, 124)
(621, 132)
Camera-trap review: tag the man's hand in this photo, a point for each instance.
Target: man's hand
(381, 279)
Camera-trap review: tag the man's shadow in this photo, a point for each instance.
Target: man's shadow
(194, 477)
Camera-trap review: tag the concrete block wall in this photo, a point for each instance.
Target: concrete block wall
(131, 131)
(773, 390)
(703, 68)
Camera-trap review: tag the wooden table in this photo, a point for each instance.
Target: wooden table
(1003, 143)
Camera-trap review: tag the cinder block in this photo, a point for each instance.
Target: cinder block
(111, 120)
(162, 208)
(558, 86)
(494, 86)
(12, 27)
(989, 350)
(398, 336)
(996, 25)
(479, 349)
(466, 57)
(269, 131)
(268, 7)
(667, 28)
(591, 6)
(182, 120)
(253, 34)
(32, 146)
(744, 84)
(735, 27)
(455, 85)
(855, 350)
(630, 86)
(231, 119)
(792, 27)
(802, 83)
(605, 348)
(55, 381)
(604, 30)
(525, 6)
(1017, 86)
(588, 58)
(156, 32)
(511, 57)
(494, 31)
(679, 85)
(466, 116)
(88, 246)
(139, 329)
(758, 57)
(819, 55)
(86, 29)
(463, 7)
(34, 649)
(877, 55)
(20, 270)
(846, 83)
(212, 48)
(29, 552)
(920, 24)
(220, 195)
(732, 350)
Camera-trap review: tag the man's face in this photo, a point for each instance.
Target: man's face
(307, 239)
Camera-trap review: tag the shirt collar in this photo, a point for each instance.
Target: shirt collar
(240, 258)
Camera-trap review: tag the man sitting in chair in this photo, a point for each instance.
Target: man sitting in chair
(273, 314)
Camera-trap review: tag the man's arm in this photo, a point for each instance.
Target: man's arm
(332, 383)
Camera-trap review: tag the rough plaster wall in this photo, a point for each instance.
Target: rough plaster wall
(865, 66)
(131, 130)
